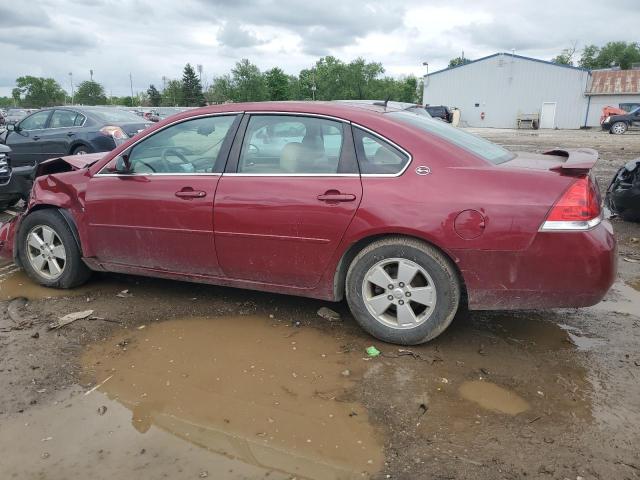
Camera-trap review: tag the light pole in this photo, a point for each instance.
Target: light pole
(131, 85)
(71, 81)
(91, 74)
(199, 68)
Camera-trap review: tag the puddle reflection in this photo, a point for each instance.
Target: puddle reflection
(264, 393)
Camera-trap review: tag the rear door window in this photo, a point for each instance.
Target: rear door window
(63, 119)
(377, 156)
(287, 144)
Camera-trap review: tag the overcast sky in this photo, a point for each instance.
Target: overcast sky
(155, 38)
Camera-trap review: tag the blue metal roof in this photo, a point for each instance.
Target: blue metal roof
(509, 55)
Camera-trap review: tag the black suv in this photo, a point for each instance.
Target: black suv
(439, 111)
(619, 124)
(15, 183)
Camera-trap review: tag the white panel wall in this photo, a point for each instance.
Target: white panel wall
(505, 86)
(600, 101)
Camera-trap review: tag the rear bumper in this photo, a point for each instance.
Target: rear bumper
(559, 269)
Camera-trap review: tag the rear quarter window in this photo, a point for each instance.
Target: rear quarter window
(377, 156)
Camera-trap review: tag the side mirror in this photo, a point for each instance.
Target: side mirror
(122, 164)
(12, 127)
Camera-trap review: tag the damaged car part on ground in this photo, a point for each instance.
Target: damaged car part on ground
(623, 194)
(327, 201)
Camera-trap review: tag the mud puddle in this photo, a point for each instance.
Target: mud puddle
(262, 393)
(535, 333)
(493, 397)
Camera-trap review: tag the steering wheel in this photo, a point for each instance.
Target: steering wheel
(166, 164)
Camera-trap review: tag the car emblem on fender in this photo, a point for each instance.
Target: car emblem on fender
(422, 170)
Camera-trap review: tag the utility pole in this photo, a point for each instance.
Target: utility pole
(91, 74)
(71, 81)
(199, 67)
(313, 86)
(131, 84)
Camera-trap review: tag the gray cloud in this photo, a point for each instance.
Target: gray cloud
(234, 36)
(155, 38)
(14, 15)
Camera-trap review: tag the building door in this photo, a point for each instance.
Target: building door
(548, 115)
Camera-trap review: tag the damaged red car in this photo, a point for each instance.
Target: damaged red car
(405, 217)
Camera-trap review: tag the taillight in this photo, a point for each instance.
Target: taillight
(118, 135)
(577, 209)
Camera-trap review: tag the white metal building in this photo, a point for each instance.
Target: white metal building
(495, 91)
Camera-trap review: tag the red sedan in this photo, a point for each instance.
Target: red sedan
(404, 216)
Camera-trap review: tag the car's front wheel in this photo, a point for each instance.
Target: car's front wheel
(618, 128)
(402, 290)
(49, 252)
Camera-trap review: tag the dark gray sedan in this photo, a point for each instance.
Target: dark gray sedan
(59, 131)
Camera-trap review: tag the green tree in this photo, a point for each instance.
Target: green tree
(90, 93)
(173, 94)
(565, 57)
(277, 84)
(191, 87)
(360, 79)
(456, 62)
(247, 82)
(588, 57)
(154, 96)
(220, 90)
(620, 54)
(38, 92)
(408, 90)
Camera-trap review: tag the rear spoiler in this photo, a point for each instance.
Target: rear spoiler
(577, 160)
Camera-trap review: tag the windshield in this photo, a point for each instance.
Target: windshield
(476, 145)
(115, 115)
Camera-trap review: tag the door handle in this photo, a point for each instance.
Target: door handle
(70, 134)
(36, 137)
(336, 197)
(190, 193)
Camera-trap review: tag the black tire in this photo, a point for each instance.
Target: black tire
(74, 271)
(442, 272)
(621, 128)
(80, 150)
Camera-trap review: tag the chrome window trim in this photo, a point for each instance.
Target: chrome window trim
(310, 175)
(570, 226)
(342, 120)
(158, 131)
(270, 112)
(159, 174)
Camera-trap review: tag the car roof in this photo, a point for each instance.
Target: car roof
(345, 111)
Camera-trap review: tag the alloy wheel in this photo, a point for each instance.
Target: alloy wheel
(619, 128)
(399, 293)
(45, 252)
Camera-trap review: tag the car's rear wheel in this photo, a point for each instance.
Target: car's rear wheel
(618, 128)
(81, 150)
(49, 252)
(402, 290)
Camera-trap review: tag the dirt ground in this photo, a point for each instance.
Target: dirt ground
(174, 380)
